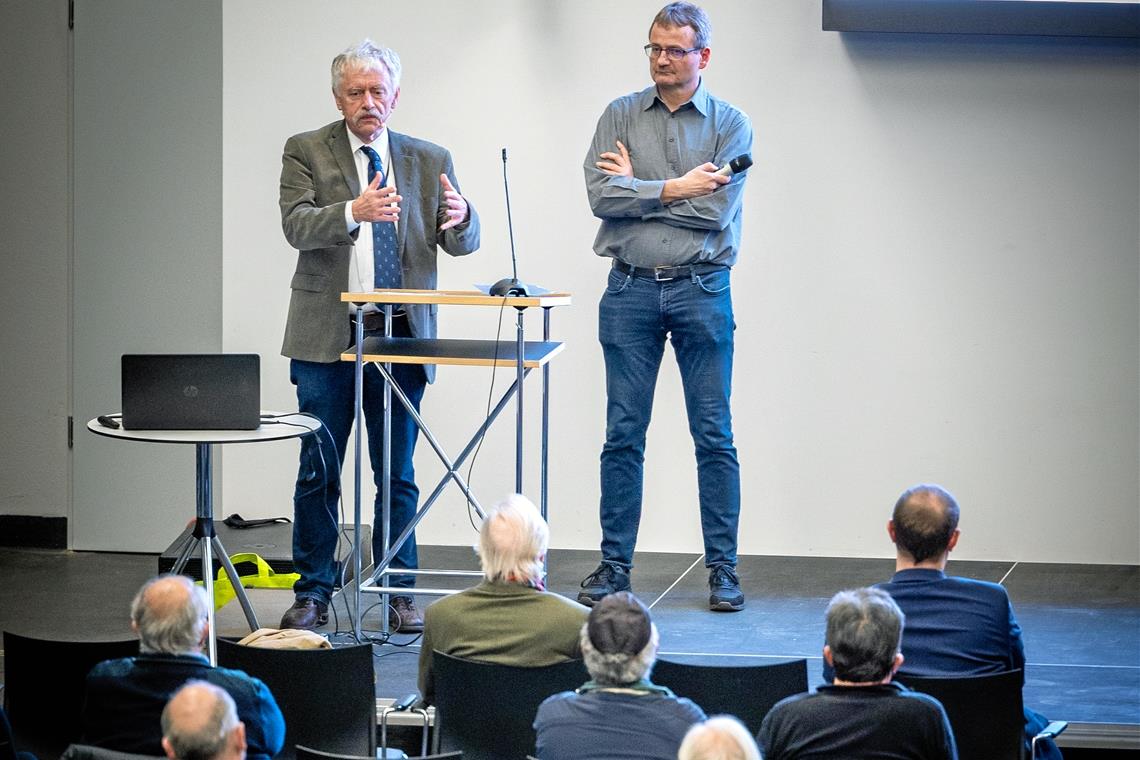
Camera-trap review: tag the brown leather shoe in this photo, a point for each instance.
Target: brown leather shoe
(403, 615)
(305, 614)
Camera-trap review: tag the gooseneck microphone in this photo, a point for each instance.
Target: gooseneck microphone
(509, 286)
(736, 165)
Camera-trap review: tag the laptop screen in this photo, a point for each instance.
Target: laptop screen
(191, 391)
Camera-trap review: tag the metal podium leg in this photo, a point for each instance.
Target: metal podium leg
(386, 469)
(520, 347)
(359, 399)
(544, 482)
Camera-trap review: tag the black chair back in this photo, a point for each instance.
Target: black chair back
(487, 710)
(984, 711)
(747, 691)
(46, 711)
(305, 753)
(327, 696)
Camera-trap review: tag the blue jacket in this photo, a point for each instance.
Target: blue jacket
(955, 626)
(125, 697)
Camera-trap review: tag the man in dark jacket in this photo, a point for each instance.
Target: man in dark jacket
(125, 697)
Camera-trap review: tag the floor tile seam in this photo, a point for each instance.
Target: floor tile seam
(679, 579)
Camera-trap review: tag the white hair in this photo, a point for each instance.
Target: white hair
(168, 623)
(367, 56)
(513, 541)
(721, 737)
(618, 668)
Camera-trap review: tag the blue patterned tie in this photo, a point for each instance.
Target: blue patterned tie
(385, 255)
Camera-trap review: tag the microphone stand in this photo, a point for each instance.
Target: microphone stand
(510, 286)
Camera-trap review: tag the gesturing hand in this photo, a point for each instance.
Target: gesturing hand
(377, 204)
(456, 205)
(616, 164)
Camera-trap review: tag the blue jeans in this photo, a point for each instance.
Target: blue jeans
(327, 391)
(635, 317)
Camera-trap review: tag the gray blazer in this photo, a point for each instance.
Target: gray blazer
(318, 177)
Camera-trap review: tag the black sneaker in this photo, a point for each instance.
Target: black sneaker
(724, 589)
(604, 581)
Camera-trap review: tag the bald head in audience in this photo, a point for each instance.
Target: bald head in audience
(169, 616)
(200, 723)
(924, 527)
(721, 737)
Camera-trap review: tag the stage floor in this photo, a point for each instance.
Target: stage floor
(1081, 623)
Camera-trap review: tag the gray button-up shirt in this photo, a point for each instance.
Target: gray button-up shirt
(637, 227)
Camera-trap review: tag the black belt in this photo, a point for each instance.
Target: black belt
(662, 274)
(373, 320)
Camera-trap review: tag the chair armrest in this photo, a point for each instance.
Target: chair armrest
(405, 703)
(1053, 729)
(1049, 732)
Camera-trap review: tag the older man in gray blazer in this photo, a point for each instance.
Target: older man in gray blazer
(366, 208)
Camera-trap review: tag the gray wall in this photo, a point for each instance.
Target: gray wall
(34, 301)
(148, 248)
(940, 277)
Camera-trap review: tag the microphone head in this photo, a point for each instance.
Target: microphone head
(504, 155)
(740, 163)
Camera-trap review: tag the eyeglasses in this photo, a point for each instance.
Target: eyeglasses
(674, 53)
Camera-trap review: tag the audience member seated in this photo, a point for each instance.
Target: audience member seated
(862, 714)
(125, 697)
(721, 737)
(200, 722)
(954, 626)
(509, 618)
(619, 713)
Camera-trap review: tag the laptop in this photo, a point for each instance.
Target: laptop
(191, 391)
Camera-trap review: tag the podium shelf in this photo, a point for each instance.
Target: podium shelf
(476, 353)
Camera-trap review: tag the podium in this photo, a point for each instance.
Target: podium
(384, 351)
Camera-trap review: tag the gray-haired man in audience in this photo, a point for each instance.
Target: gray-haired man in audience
(125, 697)
(619, 712)
(509, 618)
(862, 714)
(200, 722)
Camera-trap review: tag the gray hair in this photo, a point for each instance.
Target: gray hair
(169, 612)
(864, 631)
(721, 737)
(214, 718)
(618, 669)
(686, 14)
(512, 541)
(367, 56)
(925, 517)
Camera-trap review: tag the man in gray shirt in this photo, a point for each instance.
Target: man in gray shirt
(671, 226)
